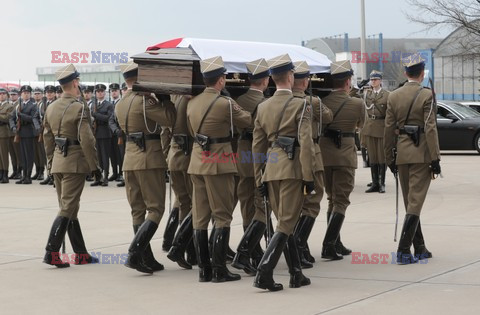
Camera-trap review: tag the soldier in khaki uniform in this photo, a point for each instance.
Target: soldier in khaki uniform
(411, 113)
(14, 147)
(49, 99)
(283, 135)
(340, 155)
(144, 166)
(211, 118)
(311, 204)
(375, 107)
(70, 148)
(6, 109)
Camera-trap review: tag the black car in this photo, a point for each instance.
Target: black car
(458, 127)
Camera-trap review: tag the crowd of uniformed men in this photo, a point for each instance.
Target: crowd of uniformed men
(277, 153)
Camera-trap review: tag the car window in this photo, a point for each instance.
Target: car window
(464, 111)
(442, 112)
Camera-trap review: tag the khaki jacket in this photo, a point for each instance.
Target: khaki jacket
(351, 117)
(6, 109)
(156, 114)
(295, 122)
(217, 124)
(375, 116)
(423, 114)
(81, 159)
(177, 160)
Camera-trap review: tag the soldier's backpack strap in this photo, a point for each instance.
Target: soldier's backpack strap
(281, 115)
(338, 111)
(206, 113)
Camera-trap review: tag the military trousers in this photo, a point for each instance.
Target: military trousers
(213, 197)
(311, 202)
(286, 198)
(69, 188)
(146, 194)
(415, 180)
(339, 183)
(375, 150)
(103, 152)
(249, 197)
(114, 154)
(15, 156)
(40, 155)
(4, 148)
(183, 188)
(27, 151)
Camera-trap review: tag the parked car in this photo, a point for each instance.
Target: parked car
(472, 105)
(458, 126)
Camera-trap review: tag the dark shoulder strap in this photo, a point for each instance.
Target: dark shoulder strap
(63, 115)
(281, 115)
(206, 113)
(338, 111)
(411, 105)
(256, 107)
(128, 112)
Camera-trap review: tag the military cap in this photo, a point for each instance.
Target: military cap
(66, 74)
(341, 69)
(2, 90)
(129, 69)
(280, 64)
(114, 86)
(14, 91)
(89, 88)
(302, 70)
(100, 87)
(212, 67)
(258, 69)
(376, 75)
(26, 88)
(49, 88)
(124, 86)
(37, 90)
(58, 89)
(413, 62)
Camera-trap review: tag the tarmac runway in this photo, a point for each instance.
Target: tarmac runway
(449, 283)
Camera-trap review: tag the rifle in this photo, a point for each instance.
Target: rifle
(44, 103)
(94, 124)
(394, 151)
(19, 124)
(268, 218)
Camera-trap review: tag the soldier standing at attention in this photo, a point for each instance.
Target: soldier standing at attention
(411, 113)
(211, 118)
(140, 116)
(283, 133)
(40, 158)
(50, 97)
(340, 155)
(70, 148)
(14, 147)
(6, 109)
(311, 204)
(375, 108)
(24, 122)
(102, 110)
(58, 91)
(115, 156)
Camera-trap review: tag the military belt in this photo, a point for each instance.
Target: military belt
(146, 137)
(246, 135)
(3, 123)
(374, 117)
(218, 140)
(402, 131)
(344, 135)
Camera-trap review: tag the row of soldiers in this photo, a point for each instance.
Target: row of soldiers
(299, 146)
(21, 132)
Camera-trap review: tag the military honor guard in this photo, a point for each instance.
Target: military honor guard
(414, 154)
(211, 118)
(6, 109)
(101, 112)
(283, 133)
(116, 156)
(24, 122)
(340, 155)
(321, 115)
(144, 166)
(375, 100)
(40, 158)
(70, 147)
(49, 99)
(14, 147)
(58, 91)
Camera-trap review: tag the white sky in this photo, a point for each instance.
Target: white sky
(32, 29)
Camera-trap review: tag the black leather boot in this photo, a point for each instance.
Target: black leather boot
(113, 177)
(375, 180)
(37, 171)
(341, 249)
(421, 252)
(246, 248)
(181, 241)
(381, 181)
(46, 180)
(200, 240)
(297, 279)
(302, 232)
(5, 179)
(19, 173)
(14, 172)
(404, 255)
(40, 173)
(307, 255)
(1, 175)
(137, 248)
(78, 244)
(148, 260)
(366, 162)
(264, 277)
(55, 239)
(191, 255)
(120, 177)
(28, 178)
(220, 272)
(170, 229)
(329, 250)
(23, 176)
(104, 181)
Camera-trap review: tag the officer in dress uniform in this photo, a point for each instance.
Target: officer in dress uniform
(251, 203)
(144, 166)
(283, 134)
(101, 112)
(311, 205)
(58, 91)
(211, 118)
(14, 147)
(70, 147)
(6, 109)
(116, 158)
(25, 123)
(49, 99)
(372, 132)
(340, 155)
(40, 158)
(411, 114)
